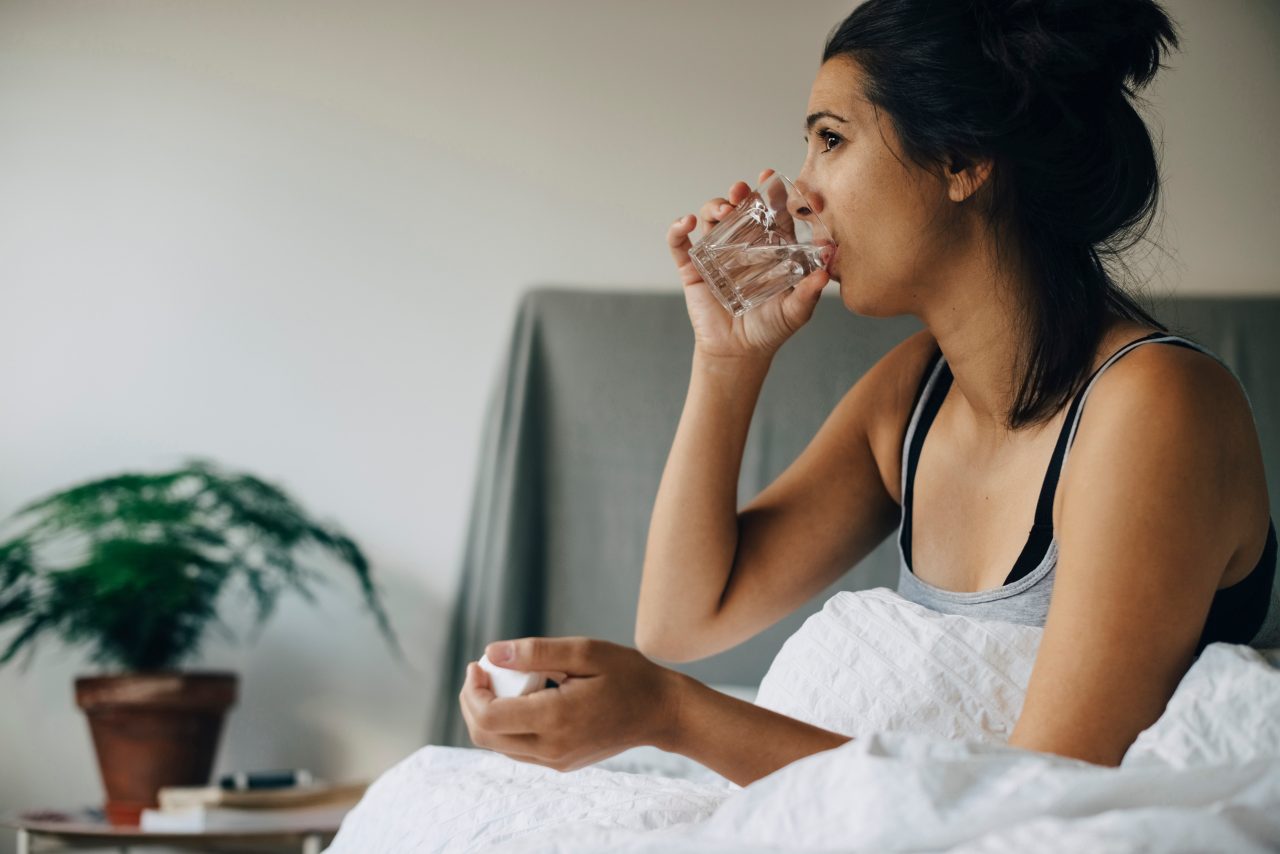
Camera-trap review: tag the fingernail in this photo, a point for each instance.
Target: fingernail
(500, 652)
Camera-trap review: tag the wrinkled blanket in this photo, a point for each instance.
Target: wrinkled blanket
(929, 699)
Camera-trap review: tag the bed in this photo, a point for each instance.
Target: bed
(577, 429)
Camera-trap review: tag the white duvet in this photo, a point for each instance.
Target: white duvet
(929, 699)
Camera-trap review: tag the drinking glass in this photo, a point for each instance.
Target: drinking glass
(760, 249)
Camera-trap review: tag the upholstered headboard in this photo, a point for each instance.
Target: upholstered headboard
(582, 418)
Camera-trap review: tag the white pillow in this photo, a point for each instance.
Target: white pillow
(1226, 711)
(873, 661)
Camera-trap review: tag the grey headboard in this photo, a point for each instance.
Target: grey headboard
(579, 425)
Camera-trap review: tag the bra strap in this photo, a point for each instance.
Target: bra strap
(1044, 505)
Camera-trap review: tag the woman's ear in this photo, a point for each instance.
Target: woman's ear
(965, 176)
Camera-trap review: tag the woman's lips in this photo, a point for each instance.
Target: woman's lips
(831, 250)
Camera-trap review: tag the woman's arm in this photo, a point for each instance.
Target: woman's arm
(1154, 498)
(614, 698)
(693, 533)
(734, 738)
(713, 576)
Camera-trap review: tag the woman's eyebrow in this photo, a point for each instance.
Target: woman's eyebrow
(813, 118)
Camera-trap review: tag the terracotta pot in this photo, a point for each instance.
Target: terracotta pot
(152, 730)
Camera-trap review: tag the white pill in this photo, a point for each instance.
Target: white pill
(511, 683)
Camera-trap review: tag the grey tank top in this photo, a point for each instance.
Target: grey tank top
(1245, 612)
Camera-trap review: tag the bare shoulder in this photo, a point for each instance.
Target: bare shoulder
(889, 389)
(1154, 383)
(1187, 408)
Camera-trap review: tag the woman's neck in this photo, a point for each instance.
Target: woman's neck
(975, 318)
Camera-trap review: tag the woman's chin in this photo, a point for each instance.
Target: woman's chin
(856, 301)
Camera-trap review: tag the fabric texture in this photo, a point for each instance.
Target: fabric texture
(579, 424)
(1204, 777)
(872, 661)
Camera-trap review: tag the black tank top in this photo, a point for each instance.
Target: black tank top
(1237, 613)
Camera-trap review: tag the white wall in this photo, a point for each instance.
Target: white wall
(291, 236)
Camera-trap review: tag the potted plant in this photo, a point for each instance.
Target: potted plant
(134, 567)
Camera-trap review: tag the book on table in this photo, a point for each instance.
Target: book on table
(312, 794)
(184, 809)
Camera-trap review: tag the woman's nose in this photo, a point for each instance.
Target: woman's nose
(808, 207)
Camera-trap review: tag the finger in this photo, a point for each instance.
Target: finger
(813, 283)
(479, 682)
(678, 238)
(575, 656)
(480, 677)
(536, 713)
(464, 702)
(712, 212)
(488, 714)
(764, 176)
(799, 304)
(738, 192)
(526, 748)
(492, 713)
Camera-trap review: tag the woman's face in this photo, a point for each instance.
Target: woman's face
(889, 220)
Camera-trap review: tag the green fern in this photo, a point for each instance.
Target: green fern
(150, 556)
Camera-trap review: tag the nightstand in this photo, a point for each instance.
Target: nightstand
(70, 831)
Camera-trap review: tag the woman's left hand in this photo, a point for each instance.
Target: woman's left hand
(612, 699)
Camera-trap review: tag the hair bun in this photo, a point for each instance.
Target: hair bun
(1066, 46)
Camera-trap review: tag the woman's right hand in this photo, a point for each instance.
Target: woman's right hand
(759, 332)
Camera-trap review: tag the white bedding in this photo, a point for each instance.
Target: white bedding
(929, 699)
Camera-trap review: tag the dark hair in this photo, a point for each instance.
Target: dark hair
(1043, 88)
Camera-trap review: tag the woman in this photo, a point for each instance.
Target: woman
(975, 163)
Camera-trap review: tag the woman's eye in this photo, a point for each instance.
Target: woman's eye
(826, 136)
